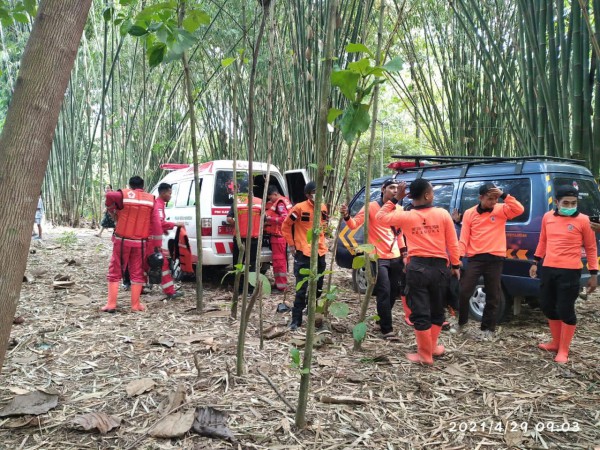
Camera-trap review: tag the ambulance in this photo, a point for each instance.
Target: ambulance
(216, 194)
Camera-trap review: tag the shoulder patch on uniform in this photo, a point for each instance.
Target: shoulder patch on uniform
(293, 216)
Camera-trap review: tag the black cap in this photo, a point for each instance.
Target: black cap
(389, 181)
(566, 191)
(486, 187)
(310, 187)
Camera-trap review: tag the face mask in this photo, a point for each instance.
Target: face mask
(567, 211)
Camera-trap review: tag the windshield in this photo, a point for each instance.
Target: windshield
(589, 198)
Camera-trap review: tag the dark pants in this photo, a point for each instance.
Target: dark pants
(302, 261)
(426, 284)
(236, 254)
(559, 290)
(387, 289)
(492, 273)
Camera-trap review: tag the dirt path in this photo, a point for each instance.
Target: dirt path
(505, 394)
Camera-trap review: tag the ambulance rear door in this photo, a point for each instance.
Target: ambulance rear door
(296, 180)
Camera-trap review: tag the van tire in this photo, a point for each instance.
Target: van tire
(477, 303)
(359, 280)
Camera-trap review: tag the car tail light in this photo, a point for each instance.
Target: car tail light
(206, 225)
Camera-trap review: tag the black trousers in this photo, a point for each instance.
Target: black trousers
(560, 289)
(253, 251)
(492, 273)
(426, 285)
(387, 290)
(302, 261)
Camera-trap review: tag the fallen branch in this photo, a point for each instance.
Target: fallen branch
(342, 400)
(279, 394)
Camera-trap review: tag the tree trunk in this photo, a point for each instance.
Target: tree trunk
(26, 139)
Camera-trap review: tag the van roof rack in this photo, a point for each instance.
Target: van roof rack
(467, 161)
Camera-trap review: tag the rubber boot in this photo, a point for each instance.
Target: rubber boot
(436, 350)
(566, 336)
(555, 327)
(136, 292)
(423, 354)
(113, 291)
(407, 312)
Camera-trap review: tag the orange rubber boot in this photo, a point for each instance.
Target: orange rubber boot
(407, 311)
(555, 329)
(436, 350)
(423, 354)
(136, 292)
(113, 291)
(566, 336)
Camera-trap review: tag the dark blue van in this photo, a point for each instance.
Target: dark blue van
(456, 181)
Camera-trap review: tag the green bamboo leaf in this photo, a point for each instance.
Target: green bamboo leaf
(333, 114)
(359, 332)
(136, 30)
(339, 310)
(355, 121)
(393, 65)
(347, 81)
(227, 62)
(358, 262)
(359, 48)
(156, 54)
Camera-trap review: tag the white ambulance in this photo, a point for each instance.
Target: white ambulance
(216, 183)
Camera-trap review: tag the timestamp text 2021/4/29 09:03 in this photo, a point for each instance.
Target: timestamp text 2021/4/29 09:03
(511, 426)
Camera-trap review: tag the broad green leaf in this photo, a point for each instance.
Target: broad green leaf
(339, 310)
(375, 71)
(347, 81)
(20, 17)
(295, 356)
(266, 285)
(108, 13)
(304, 271)
(333, 114)
(136, 30)
(359, 48)
(149, 11)
(366, 248)
(156, 54)
(360, 67)
(375, 318)
(300, 283)
(30, 7)
(309, 236)
(327, 272)
(358, 262)
(227, 62)
(126, 2)
(355, 121)
(393, 65)
(195, 19)
(359, 332)
(125, 27)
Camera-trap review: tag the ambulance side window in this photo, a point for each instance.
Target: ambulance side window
(192, 197)
(183, 194)
(174, 190)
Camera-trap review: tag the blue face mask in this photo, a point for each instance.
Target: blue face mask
(567, 211)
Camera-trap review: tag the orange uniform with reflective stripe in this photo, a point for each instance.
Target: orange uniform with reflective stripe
(561, 240)
(134, 218)
(276, 211)
(296, 225)
(243, 216)
(429, 231)
(485, 232)
(381, 236)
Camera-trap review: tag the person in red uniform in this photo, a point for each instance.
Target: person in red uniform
(276, 211)
(243, 211)
(386, 240)
(483, 242)
(431, 241)
(155, 239)
(564, 232)
(136, 214)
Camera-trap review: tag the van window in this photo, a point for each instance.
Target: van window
(174, 191)
(359, 202)
(183, 194)
(589, 197)
(192, 198)
(519, 188)
(224, 186)
(442, 195)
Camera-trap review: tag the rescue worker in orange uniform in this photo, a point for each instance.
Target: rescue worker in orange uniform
(483, 242)
(295, 230)
(136, 215)
(564, 232)
(243, 211)
(389, 267)
(276, 211)
(155, 239)
(431, 241)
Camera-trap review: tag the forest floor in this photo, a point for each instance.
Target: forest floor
(479, 395)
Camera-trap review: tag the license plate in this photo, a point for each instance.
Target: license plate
(224, 229)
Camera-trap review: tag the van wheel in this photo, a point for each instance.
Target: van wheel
(477, 304)
(359, 280)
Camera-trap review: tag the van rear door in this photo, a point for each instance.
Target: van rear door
(296, 180)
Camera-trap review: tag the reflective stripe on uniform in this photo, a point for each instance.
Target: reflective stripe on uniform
(135, 201)
(279, 274)
(166, 272)
(155, 238)
(166, 285)
(281, 285)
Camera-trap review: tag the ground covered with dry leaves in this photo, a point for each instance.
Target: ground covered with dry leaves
(137, 368)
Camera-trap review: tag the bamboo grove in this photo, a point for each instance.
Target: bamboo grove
(491, 77)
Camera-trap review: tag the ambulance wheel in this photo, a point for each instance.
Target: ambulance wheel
(477, 304)
(359, 280)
